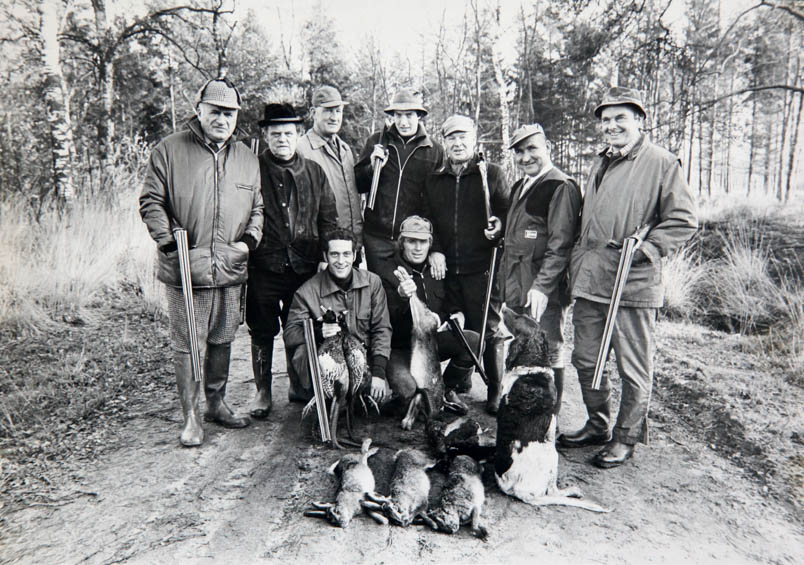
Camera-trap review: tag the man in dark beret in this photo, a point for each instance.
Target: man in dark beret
(299, 211)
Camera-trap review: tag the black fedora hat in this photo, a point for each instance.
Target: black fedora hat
(279, 113)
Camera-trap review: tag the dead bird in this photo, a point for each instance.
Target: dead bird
(410, 488)
(461, 436)
(462, 498)
(356, 482)
(526, 460)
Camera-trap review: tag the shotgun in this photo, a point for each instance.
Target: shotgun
(458, 331)
(187, 291)
(315, 377)
(482, 166)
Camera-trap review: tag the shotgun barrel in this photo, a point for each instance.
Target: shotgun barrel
(187, 291)
(315, 377)
(482, 166)
(458, 331)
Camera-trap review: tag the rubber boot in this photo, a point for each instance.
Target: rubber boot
(494, 364)
(189, 391)
(217, 375)
(261, 361)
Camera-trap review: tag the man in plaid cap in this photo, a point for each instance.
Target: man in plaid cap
(199, 179)
(633, 182)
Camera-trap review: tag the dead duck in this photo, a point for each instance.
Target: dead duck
(462, 498)
(410, 489)
(356, 482)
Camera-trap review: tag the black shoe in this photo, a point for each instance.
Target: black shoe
(454, 404)
(613, 455)
(587, 435)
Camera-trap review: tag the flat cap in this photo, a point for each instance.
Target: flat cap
(621, 96)
(406, 100)
(327, 97)
(219, 92)
(523, 132)
(279, 113)
(416, 227)
(457, 123)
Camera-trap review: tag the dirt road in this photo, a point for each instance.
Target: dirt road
(239, 499)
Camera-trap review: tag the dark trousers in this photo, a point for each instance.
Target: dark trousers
(470, 292)
(268, 302)
(379, 250)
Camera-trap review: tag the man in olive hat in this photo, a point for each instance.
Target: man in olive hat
(187, 171)
(299, 210)
(407, 155)
(323, 145)
(633, 182)
(454, 200)
(539, 232)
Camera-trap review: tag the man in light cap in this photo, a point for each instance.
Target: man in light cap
(632, 183)
(410, 261)
(322, 144)
(187, 172)
(299, 211)
(454, 201)
(408, 154)
(539, 233)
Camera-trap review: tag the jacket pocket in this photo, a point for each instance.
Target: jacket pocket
(249, 187)
(232, 263)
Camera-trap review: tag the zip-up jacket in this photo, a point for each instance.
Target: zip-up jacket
(299, 209)
(399, 192)
(646, 183)
(212, 193)
(455, 203)
(541, 228)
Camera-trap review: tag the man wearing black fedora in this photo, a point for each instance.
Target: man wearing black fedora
(299, 210)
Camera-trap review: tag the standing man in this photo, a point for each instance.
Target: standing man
(201, 180)
(322, 144)
(299, 210)
(454, 201)
(340, 287)
(542, 223)
(632, 183)
(408, 154)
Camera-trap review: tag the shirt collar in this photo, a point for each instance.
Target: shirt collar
(530, 181)
(614, 153)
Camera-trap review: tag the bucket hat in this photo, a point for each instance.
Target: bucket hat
(406, 100)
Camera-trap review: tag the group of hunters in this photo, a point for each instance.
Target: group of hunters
(280, 223)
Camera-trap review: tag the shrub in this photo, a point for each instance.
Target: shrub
(682, 275)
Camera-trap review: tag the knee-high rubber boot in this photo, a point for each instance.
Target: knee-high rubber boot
(189, 391)
(261, 362)
(558, 377)
(494, 364)
(217, 375)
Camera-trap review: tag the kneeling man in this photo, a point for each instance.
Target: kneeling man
(339, 288)
(415, 240)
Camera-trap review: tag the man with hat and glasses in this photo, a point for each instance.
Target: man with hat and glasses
(201, 180)
(322, 144)
(539, 232)
(415, 239)
(299, 210)
(631, 184)
(454, 200)
(407, 155)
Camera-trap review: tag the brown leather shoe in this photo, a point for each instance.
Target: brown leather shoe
(587, 435)
(613, 455)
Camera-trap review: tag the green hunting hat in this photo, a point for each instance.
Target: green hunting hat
(327, 97)
(457, 123)
(621, 96)
(406, 100)
(523, 132)
(416, 227)
(219, 92)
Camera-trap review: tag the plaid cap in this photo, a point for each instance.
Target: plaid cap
(220, 92)
(416, 227)
(523, 132)
(621, 96)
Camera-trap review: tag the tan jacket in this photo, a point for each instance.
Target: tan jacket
(647, 183)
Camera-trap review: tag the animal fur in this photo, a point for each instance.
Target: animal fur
(461, 436)
(462, 498)
(526, 461)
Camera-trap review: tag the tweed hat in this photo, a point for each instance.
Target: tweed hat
(279, 113)
(406, 100)
(416, 227)
(219, 92)
(457, 123)
(327, 97)
(621, 96)
(523, 132)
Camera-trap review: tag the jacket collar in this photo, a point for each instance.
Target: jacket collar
(194, 125)
(294, 166)
(633, 152)
(419, 139)
(400, 260)
(317, 141)
(360, 279)
(470, 168)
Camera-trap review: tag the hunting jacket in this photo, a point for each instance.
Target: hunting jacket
(366, 307)
(539, 234)
(339, 166)
(399, 192)
(455, 204)
(646, 183)
(211, 192)
(299, 209)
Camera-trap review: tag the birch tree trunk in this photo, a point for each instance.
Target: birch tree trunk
(106, 82)
(58, 114)
(502, 97)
